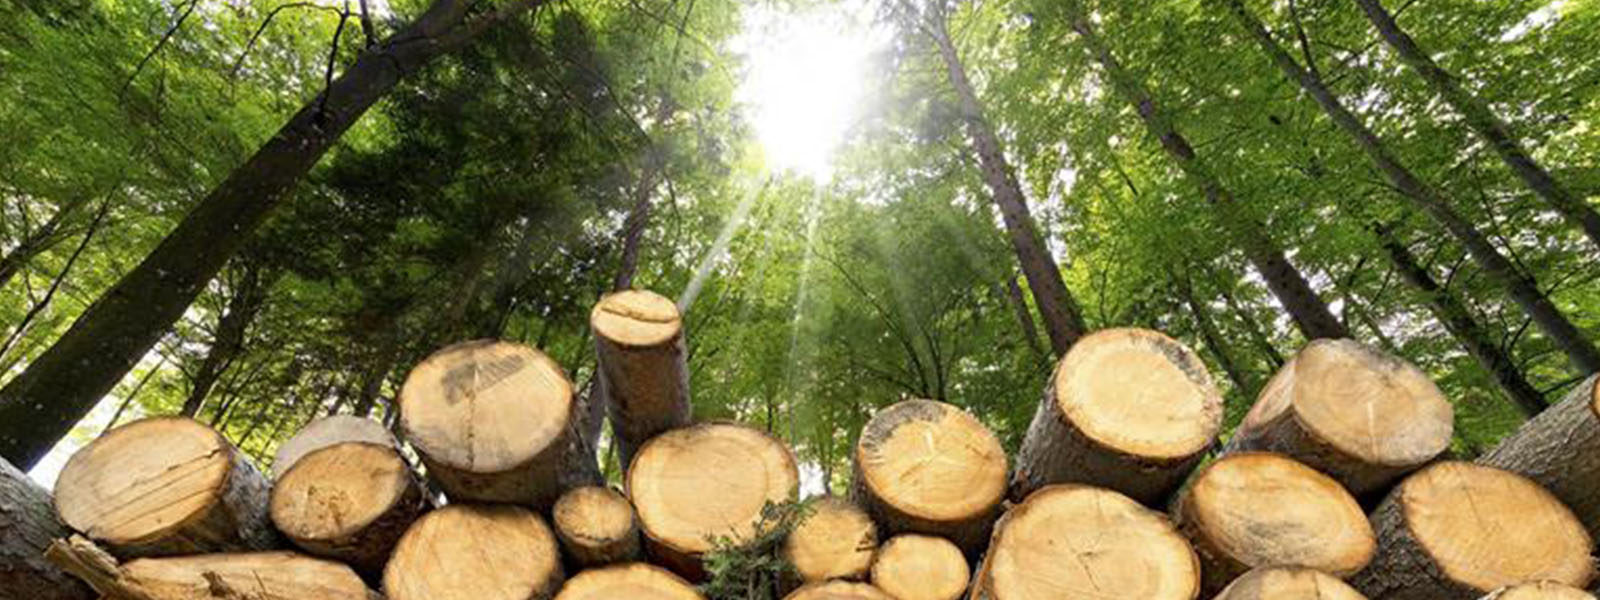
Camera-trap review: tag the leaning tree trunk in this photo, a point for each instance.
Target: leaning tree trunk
(41, 405)
(642, 366)
(597, 527)
(242, 309)
(921, 567)
(475, 552)
(235, 576)
(1560, 449)
(632, 580)
(1278, 583)
(30, 524)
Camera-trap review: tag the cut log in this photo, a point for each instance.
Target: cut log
(1543, 590)
(475, 552)
(29, 525)
(705, 482)
(327, 431)
(1130, 410)
(162, 487)
(920, 567)
(835, 541)
(928, 467)
(1075, 541)
(1255, 509)
(236, 576)
(1364, 417)
(350, 501)
(495, 422)
(1289, 583)
(596, 526)
(1458, 530)
(631, 581)
(1560, 450)
(643, 366)
(839, 590)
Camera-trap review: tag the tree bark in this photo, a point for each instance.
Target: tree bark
(1019, 304)
(1560, 449)
(30, 524)
(228, 342)
(641, 366)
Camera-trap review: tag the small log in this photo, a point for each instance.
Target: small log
(921, 567)
(1255, 509)
(348, 501)
(642, 364)
(839, 590)
(475, 552)
(1289, 583)
(234, 576)
(1075, 541)
(629, 581)
(1130, 410)
(327, 431)
(1560, 450)
(1458, 530)
(693, 485)
(1364, 417)
(835, 541)
(27, 526)
(597, 527)
(1542, 590)
(165, 486)
(929, 467)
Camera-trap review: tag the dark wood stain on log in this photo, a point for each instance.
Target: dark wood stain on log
(466, 380)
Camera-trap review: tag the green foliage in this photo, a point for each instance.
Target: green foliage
(753, 569)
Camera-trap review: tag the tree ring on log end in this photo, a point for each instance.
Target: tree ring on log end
(485, 406)
(335, 492)
(1542, 590)
(932, 461)
(633, 581)
(1279, 583)
(836, 540)
(476, 552)
(839, 590)
(636, 318)
(709, 480)
(144, 480)
(1139, 392)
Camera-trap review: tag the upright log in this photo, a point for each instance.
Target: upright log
(839, 590)
(596, 527)
(1289, 583)
(643, 366)
(1458, 531)
(630, 581)
(29, 525)
(1364, 417)
(475, 552)
(1131, 410)
(835, 541)
(929, 467)
(165, 486)
(920, 567)
(1560, 449)
(1541, 590)
(235, 576)
(328, 431)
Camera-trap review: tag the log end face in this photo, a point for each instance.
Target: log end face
(917, 567)
(709, 480)
(1140, 393)
(836, 541)
(1274, 583)
(337, 491)
(476, 552)
(1370, 405)
(634, 581)
(636, 318)
(1542, 590)
(591, 519)
(932, 461)
(326, 431)
(839, 590)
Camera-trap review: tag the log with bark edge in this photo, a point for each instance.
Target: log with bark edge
(1541, 590)
(327, 431)
(1076, 541)
(27, 526)
(921, 567)
(628, 581)
(1560, 449)
(496, 422)
(1257, 509)
(1131, 410)
(475, 552)
(165, 486)
(706, 481)
(1289, 583)
(1459, 530)
(639, 347)
(839, 590)
(596, 527)
(1364, 417)
(929, 467)
(232, 576)
(835, 541)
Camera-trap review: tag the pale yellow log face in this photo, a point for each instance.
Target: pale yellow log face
(635, 581)
(1543, 590)
(144, 480)
(711, 480)
(1264, 509)
(485, 406)
(594, 515)
(339, 490)
(1488, 528)
(1280, 583)
(932, 461)
(1594, 400)
(918, 567)
(473, 551)
(839, 590)
(1139, 392)
(258, 576)
(636, 318)
(323, 432)
(836, 540)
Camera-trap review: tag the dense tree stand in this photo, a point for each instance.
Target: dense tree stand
(837, 540)
(29, 525)
(1560, 449)
(1278, 583)
(234, 576)
(633, 581)
(475, 552)
(596, 526)
(643, 369)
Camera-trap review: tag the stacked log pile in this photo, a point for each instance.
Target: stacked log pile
(1121, 489)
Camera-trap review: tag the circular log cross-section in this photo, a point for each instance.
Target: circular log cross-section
(1458, 531)
(642, 365)
(703, 482)
(1255, 509)
(1359, 415)
(1560, 450)
(839, 590)
(327, 431)
(349, 501)
(1130, 410)
(596, 526)
(1289, 583)
(929, 467)
(1075, 541)
(165, 486)
(227, 576)
(835, 541)
(30, 525)
(920, 567)
(494, 422)
(475, 552)
(632, 581)
(1542, 590)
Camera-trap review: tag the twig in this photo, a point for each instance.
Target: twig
(166, 37)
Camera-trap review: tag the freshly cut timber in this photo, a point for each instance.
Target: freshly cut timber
(1076, 541)
(233, 576)
(839, 590)
(165, 486)
(475, 552)
(1256, 509)
(1364, 417)
(495, 422)
(327, 431)
(921, 567)
(707, 481)
(349, 501)
(1560, 449)
(1542, 590)
(1460, 530)
(1289, 583)
(643, 366)
(631, 581)
(596, 526)
(1131, 410)
(929, 467)
(27, 526)
(835, 541)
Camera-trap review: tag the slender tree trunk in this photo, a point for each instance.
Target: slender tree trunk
(35, 243)
(1259, 337)
(43, 403)
(133, 396)
(50, 294)
(638, 220)
(1019, 304)
(1242, 380)
(229, 341)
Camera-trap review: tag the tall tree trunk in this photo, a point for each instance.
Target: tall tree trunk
(36, 242)
(1242, 380)
(1259, 337)
(1483, 121)
(242, 309)
(1519, 285)
(43, 403)
(1019, 304)
(638, 220)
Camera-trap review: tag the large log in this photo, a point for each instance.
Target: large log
(1541, 590)
(475, 552)
(1075, 541)
(1560, 449)
(1458, 530)
(921, 567)
(162, 487)
(496, 422)
(1288, 583)
(630, 581)
(349, 501)
(596, 526)
(929, 467)
(642, 364)
(694, 485)
(1131, 410)
(27, 526)
(234, 576)
(1364, 417)
(839, 590)
(327, 431)
(1256, 509)
(835, 541)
